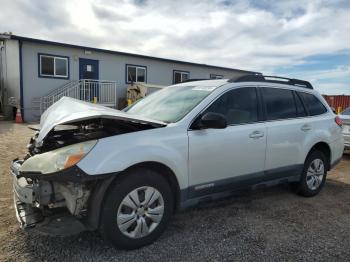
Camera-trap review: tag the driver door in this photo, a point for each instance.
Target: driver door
(228, 158)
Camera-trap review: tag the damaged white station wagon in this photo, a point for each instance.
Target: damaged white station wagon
(90, 167)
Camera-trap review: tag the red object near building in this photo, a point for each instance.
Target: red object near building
(339, 103)
(18, 116)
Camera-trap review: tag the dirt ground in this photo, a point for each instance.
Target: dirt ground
(268, 225)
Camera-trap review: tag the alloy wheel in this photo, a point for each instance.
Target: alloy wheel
(315, 173)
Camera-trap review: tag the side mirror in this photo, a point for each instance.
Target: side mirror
(212, 120)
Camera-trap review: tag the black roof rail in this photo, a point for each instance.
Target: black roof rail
(195, 79)
(271, 79)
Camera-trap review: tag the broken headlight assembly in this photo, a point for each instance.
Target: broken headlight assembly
(57, 159)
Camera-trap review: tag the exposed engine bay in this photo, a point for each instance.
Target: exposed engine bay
(72, 133)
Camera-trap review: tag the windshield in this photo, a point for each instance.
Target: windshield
(346, 111)
(171, 103)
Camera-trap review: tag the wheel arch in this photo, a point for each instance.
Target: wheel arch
(325, 149)
(102, 187)
(165, 172)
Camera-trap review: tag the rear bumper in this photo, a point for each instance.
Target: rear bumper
(346, 141)
(337, 151)
(336, 162)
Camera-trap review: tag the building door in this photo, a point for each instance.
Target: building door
(88, 69)
(89, 72)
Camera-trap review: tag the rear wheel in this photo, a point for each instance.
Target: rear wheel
(137, 209)
(314, 174)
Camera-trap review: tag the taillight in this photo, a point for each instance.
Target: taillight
(338, 121)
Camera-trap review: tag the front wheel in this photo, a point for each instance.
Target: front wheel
(137, 209)
(314, 174)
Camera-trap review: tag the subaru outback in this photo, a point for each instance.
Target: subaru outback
(126, 172)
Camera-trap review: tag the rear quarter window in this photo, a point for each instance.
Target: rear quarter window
(299, 105)
(313, 104)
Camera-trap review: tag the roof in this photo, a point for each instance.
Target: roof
(47, 42)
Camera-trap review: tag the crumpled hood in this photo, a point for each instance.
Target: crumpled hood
(69, 110)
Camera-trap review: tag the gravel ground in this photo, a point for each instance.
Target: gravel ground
(266, 225)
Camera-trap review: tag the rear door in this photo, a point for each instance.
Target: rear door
(287, 132)
(222, 159)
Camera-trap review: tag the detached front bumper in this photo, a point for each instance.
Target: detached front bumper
(27, 215)
(32, 200)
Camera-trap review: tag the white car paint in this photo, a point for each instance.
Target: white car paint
(216, 154)
(202, 156)
(168, 145)
(346, 129)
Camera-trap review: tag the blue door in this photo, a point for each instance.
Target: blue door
(88, 70)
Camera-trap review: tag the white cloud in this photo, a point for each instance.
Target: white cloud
(261, 36)
(327, 81)
(333, 88)
(339, 72)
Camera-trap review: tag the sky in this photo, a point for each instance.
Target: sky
(306, 39)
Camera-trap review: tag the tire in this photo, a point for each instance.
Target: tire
(312, 182)
(126, 213)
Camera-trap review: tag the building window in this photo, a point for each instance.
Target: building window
(215, 76)
(180, 76)
(53, 66)
(136, 73)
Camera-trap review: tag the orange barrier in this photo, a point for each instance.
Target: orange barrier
(19, 116)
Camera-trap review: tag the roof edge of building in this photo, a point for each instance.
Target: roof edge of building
(41, 41)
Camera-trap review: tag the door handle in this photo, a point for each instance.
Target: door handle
(305, 128)
(256, 134)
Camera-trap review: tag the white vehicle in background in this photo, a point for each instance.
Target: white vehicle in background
(125, 173)
(345, 117)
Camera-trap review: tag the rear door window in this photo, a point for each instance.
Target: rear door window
(313, 105)
(279, 103)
